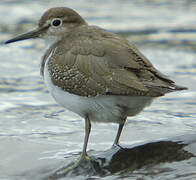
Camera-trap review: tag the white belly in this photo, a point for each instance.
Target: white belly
(100, 108)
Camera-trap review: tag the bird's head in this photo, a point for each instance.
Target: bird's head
(55, 23)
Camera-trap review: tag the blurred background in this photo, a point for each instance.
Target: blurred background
(36, 133)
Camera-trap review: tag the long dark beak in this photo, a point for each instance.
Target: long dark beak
(32, 34)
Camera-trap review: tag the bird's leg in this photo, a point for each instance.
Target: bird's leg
(116, 141)
(84, 155)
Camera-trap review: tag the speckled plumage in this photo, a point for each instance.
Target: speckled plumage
(90, 61)
(97, 74)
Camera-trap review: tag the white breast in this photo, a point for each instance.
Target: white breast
(99, 108)
(70, 101)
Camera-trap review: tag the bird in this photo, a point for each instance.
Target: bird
(97, 74)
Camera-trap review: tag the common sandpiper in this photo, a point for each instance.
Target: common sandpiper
(97, 74)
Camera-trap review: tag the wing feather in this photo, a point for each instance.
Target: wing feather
(104, 63)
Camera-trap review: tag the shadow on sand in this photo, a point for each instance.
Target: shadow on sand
(128, 159)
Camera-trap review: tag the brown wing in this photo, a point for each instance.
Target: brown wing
(98, 62)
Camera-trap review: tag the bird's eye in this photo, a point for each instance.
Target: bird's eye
(56, 22)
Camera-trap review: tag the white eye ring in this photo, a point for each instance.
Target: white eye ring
(56, 22)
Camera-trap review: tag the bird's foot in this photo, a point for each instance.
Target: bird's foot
(117, 146)
(84, 164)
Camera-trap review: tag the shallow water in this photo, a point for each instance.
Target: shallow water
(36, 133)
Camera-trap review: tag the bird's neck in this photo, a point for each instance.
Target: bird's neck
(50, 46)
